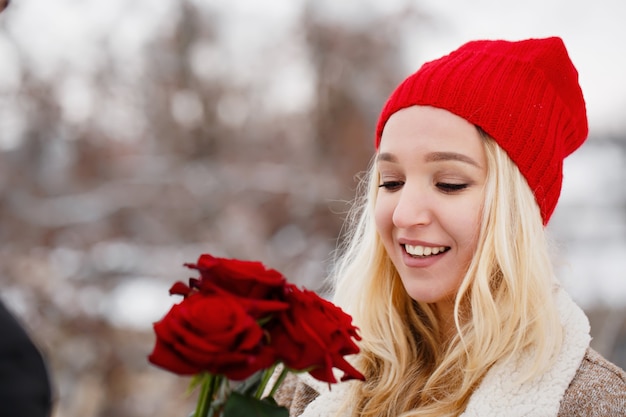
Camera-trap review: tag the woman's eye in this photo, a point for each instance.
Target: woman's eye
(391, 185)
(450, 188)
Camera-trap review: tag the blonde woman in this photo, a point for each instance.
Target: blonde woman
(446, 268)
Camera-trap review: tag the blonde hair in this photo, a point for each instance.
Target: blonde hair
(503, 306)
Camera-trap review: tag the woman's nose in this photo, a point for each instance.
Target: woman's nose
(412, 208)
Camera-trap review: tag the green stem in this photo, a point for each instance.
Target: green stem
(265, 378)
(206, 396)
(279, 381)
(218, 389)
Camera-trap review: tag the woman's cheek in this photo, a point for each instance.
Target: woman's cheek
(383, 213)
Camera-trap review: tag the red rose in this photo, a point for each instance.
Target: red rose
(259, 309)
(258, 288)
(210, 332)
(314, 335)
(244, 278)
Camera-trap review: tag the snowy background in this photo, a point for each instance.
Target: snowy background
(64, 39)
(136, 134)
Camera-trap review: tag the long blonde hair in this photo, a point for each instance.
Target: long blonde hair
(503, 306)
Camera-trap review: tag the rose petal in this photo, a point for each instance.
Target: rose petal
(164, 357)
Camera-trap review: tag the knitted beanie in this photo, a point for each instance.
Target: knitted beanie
(524, 94)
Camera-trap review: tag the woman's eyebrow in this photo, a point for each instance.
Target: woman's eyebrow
(432, 157)
(387, 157)
(450, 156)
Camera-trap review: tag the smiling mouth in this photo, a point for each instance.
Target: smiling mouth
(425, 251)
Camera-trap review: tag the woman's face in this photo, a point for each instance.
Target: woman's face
(432, 171)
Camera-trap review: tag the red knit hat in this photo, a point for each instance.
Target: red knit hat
(524, 94)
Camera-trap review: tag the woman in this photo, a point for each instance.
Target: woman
(446, 268)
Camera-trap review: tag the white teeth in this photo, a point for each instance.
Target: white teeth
(424, 250)
(415, 250)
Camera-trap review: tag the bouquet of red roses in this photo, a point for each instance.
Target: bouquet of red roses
(236, 323)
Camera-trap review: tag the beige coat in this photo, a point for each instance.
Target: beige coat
(580, 384)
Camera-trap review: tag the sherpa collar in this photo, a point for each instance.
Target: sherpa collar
(497, 394)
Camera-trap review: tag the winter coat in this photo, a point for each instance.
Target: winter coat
(24, 381)
(580, 383)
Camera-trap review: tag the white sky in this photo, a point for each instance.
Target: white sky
(60, 32)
